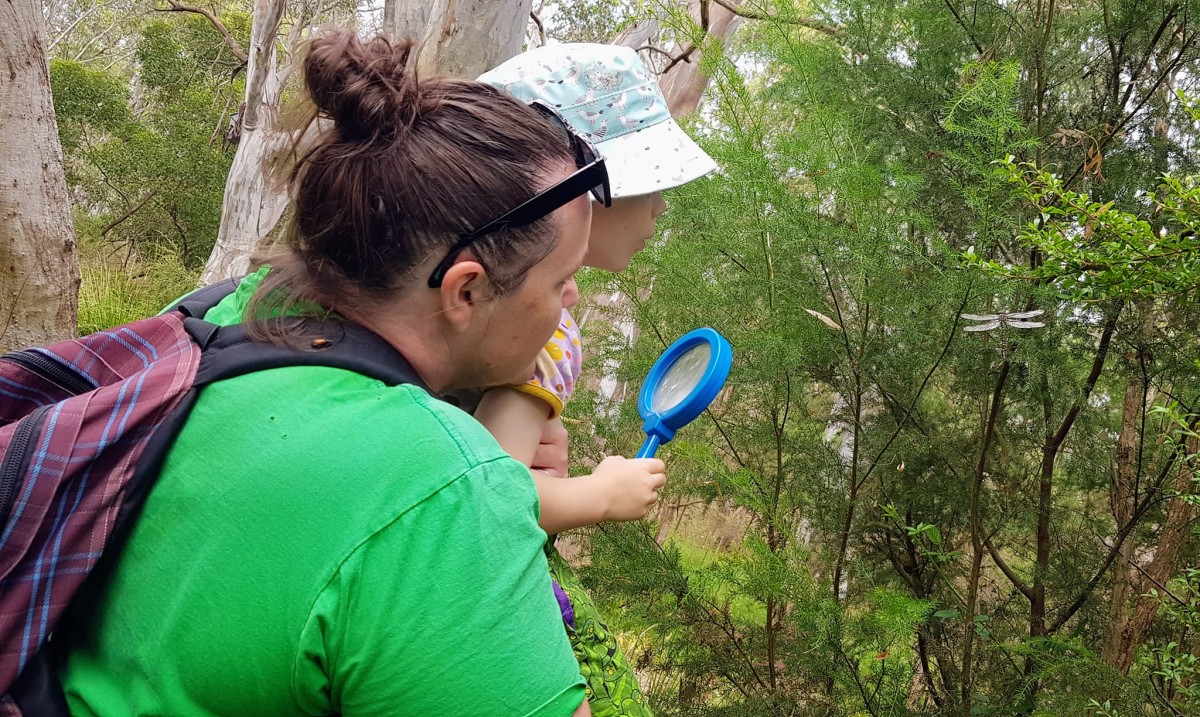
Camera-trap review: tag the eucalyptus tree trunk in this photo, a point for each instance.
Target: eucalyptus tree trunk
(254, 200)
(466, 37)
(39, 277)
(457, 37)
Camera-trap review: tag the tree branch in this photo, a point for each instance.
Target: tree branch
(958, 19)
(541, 28)
(659, 50)
(808, 22)
(1122, 534)
(920, 389)
(1097, 367)
(229, 39)
(684, 56)
(1013, 578)
(128, 213)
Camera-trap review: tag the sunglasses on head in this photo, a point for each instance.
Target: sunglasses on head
(590, 176)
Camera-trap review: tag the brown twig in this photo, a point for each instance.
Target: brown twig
(684, 56)
(541, 28)
(810, 23)
(655, 48)
(230, 41)
(128, 213)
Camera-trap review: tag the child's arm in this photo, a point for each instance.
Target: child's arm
(515, 419)
(619, 488)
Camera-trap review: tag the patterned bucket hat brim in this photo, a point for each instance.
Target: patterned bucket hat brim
(606, 94)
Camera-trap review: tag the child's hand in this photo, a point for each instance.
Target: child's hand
(557, 367)
(551, 454)
(630, 485)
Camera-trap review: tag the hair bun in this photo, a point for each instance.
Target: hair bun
(366, 88)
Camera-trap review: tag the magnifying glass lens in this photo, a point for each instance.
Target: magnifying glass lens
(681, 378)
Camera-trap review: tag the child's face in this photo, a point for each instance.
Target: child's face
(620, 231)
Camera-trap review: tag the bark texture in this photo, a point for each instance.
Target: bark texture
(254, 200)
(39, 276)
(1140, 569)
(468, 37)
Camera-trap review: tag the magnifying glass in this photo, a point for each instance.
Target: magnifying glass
(681, 384)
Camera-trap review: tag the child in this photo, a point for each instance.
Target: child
(607, 96)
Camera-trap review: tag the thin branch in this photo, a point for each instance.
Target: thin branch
(708, 412)
(924, 383)
(1171, 67)
(1097, 367)
(1013, 578)
(963, 25)
(234, 47)
(219, 132)
(128, 213)
(63, 34)
(117, 59)
(685, 56)
(1166, 591)
(97, 37)
(655, 48)
(1124, 533)
(808, 22)
(541, 28)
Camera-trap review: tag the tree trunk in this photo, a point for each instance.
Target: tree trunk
(39, 277)
(1129, 631)
(1122, 501)
(457, 37)
(253, 202)
(470, 37)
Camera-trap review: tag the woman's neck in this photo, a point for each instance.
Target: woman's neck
(418, 336)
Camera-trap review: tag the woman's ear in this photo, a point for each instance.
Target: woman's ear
(465, 291)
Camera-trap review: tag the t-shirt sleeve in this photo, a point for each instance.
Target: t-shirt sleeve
(447, 610)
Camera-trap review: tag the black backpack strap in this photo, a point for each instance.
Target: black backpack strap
(198, 302)
(228, 352)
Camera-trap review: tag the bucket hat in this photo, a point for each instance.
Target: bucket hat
(608, 96)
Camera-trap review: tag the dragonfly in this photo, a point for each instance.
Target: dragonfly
(1015, 319)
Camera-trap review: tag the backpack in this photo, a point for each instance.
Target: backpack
(84, 428)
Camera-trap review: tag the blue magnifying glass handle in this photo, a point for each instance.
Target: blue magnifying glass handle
(650, 447)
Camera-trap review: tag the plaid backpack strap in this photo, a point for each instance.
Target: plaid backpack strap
(67, 466)
(80, 447)
(202, 353)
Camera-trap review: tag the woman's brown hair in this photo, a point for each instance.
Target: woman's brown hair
(402, 166)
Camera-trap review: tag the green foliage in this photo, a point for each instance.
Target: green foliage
(1093, 251)
(113, 292)
(145, 160)
(87, 99)
(175, 55)
(909, 488)
(586, 20)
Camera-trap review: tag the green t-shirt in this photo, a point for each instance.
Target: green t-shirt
(320, 543)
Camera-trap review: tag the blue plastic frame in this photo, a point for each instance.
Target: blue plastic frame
(661, 427)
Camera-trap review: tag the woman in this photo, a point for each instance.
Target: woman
(320, 543)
